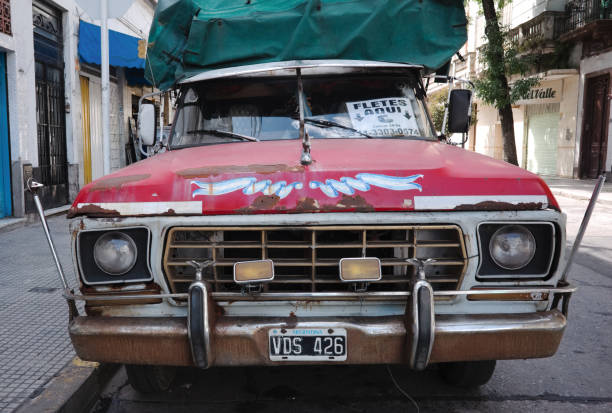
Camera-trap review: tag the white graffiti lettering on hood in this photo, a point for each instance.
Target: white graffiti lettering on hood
(330, 187)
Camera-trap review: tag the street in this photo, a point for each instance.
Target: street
(343, 163)
(578, 378)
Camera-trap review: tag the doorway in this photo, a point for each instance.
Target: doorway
(594, 142)
(50, 105)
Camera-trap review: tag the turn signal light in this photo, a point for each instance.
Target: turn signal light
(248, 272)
(360, 269)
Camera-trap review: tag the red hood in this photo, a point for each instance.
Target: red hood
(346, 175)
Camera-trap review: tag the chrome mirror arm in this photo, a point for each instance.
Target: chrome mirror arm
(33, 187)
(583, 227)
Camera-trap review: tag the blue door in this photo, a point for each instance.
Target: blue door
(5, 157)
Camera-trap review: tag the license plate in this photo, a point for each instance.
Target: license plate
(307, 344)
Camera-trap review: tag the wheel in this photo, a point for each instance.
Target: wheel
(467, 373)
(150, 379)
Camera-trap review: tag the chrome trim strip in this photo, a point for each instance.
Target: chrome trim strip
(81, 297)
(452, 202)
(147, 208)
(295, 64)
(399, 295)
(467, 220)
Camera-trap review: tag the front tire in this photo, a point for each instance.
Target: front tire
(467, 373)
(150, 379)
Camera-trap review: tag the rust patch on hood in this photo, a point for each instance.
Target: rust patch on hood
(307, 205)
(92, 211)
(207, 171)
(357, 202)
(499, 206)
(117, 182)
(354, 203)
(261, 203)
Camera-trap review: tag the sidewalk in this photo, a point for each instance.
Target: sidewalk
(34, 342)
(579, 189)
(10, 223)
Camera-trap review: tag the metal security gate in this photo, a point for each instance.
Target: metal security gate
(542, 138)
(50, 111)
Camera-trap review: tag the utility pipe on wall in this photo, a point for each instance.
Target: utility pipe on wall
(106, 144)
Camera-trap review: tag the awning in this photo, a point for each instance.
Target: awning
(123, 49)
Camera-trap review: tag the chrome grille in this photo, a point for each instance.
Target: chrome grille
(306, 258)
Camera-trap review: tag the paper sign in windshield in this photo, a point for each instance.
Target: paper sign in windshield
(383, 117)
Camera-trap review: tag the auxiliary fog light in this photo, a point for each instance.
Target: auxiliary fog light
(360, 269)
(115, 253)
(512, 247)
(249, 272)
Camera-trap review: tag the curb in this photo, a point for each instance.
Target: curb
(579, 197)
(75, 389)
(10, 224)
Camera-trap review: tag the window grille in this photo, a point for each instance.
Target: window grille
(5, 16)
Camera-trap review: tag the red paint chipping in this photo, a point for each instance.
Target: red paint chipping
(446, 170)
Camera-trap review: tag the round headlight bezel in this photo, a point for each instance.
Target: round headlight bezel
(516, 228)
(120, 236)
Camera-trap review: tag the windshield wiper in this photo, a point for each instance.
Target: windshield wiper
(331, 124)
(224, 134)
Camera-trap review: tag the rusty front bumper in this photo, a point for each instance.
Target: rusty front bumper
(240, 341)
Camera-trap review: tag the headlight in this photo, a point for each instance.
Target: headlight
(115, 253)
(512, 247)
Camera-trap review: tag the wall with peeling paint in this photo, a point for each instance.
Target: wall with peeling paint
(19, 48)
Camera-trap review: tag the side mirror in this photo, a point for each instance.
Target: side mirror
(146, 124)
(459, 110)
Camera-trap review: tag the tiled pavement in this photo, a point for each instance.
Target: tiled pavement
(34, 342)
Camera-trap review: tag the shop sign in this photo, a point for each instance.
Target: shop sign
(545, 92)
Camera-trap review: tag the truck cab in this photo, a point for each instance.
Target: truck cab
(306, 212)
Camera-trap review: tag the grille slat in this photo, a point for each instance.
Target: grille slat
(306, 258)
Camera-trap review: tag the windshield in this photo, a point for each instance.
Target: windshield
(267, 109)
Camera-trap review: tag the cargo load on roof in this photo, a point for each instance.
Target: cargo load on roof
(191, 36)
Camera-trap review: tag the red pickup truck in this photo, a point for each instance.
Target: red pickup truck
(307, 212)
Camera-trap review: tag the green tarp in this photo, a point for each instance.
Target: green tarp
(191, 36)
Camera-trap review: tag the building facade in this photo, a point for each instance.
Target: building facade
(562, 125)
(50, 100)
